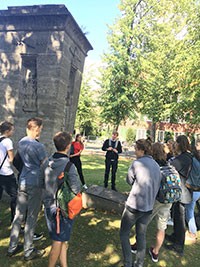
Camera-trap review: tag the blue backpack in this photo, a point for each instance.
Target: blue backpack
(193, 177)
(170, 187)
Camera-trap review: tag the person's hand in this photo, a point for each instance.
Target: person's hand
(115, 150)
(110, 148)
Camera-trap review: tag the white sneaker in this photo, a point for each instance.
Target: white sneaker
(37, 237)
(170, 222)
(85, 186)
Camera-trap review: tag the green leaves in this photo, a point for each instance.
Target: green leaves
(153, 62)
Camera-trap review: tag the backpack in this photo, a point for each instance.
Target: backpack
(193, 177)
(170, 187)
(67, 202)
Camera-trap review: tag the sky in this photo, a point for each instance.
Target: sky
(91, 15)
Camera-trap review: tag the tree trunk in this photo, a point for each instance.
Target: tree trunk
(153, 131)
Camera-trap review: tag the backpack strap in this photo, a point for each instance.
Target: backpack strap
(1, 139)
(67, 167)
(109, 142)
(116, 144)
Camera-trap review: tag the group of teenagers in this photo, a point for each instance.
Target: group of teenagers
(144, 177)
(37, 184)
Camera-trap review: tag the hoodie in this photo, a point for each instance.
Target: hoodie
(56, 165)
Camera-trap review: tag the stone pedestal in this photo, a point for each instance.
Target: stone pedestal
(104, 199)
(42, 54)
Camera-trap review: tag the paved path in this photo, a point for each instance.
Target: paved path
(99, 152)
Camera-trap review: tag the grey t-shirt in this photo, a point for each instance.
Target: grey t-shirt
(32, 154)
(144, 176)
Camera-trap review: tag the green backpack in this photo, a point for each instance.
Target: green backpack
(67, 202)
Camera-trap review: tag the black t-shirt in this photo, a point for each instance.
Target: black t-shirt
(182, 163)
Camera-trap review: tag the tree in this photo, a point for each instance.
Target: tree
(146, 55)
(86, 116)
(130, 136)
(188, 78)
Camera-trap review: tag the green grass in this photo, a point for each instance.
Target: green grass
(95, 236)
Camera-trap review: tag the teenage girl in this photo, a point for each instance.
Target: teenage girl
(76, 150)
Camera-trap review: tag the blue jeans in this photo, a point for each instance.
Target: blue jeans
(189, 213)
(29, 202)
(140, 220)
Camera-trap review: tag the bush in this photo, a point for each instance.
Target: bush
(130, 136)
(168, 136)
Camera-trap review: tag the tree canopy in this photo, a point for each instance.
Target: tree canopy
(152, 66)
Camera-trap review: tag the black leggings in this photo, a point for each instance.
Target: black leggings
(77, 162)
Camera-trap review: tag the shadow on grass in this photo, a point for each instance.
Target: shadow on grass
(95, 236)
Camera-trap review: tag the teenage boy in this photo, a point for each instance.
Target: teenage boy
(57, 163)
(113, 148)
(29, 198)
(7, 177)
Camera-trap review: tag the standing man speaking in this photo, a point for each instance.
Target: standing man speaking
(113, 148)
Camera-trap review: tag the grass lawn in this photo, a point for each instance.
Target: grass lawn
(95, 236)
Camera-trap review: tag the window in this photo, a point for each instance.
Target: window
(161, 136)
(141, 133)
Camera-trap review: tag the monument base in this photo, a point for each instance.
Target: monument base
(104, 199)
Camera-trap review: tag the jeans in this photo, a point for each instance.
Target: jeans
(77, 162)
(189, 213)
(140, 220)
(9, 184)
(29, 202)
(114, 164)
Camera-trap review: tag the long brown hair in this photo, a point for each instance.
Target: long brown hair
(145, 145)
(76, 139)
(183, 143)
(158, 152)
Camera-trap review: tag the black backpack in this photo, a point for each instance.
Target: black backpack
(170, 187)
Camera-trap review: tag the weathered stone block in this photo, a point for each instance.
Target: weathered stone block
(104, 199)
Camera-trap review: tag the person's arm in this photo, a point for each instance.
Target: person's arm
(74, 180)
(42, 155)
(119, 147)
(77, 154)
(10, 155)
(7, 143)
(130, 179)
(105, 145)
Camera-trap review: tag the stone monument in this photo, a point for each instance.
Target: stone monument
(42, 55)
(103, 199)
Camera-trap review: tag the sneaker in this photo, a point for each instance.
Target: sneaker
(190, 237)
(18, 249)
(134, 248)
(175, 248)
(35, 254)
(170, 222)
(85, 187)
(37, 237)
(154, 256)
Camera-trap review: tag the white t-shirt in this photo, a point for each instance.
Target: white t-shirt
(6, 145)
